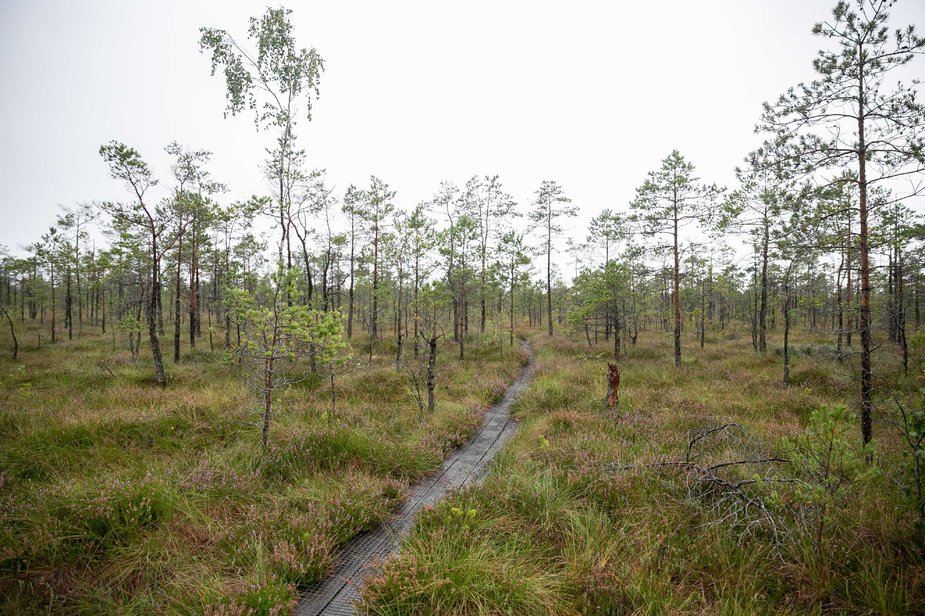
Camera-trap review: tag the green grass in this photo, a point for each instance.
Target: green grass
(120, 497)
(575, 519)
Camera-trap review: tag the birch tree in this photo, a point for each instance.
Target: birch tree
(276, 80)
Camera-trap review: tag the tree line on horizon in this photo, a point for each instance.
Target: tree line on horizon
(822, 208)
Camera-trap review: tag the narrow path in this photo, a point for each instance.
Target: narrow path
(467, 465)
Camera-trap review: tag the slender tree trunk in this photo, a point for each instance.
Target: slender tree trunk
(306, 259)
(867, 381)
(677, 292)
(450, 285)
(350, 289)
(398, 330)
(193, 291)
(33, 308)
(549, 273)
(153, 307)
(324, 279)
(511, 312)
(226, 280)
(482, 292)
(763, 312)
(417, 316)
(209, 329)
(849, 292)
(176, 300)
(455, 318)
(787, 336)
(616, 332)
(891, 296)
(160, 308)
(374, 331)
(68, 306)
(267, 397)
(915, 293)
(431, 371)
(333, 394)
(465, 315)
(80, 301)
(199, 301)
(840, 318)
(53, 302)
(462, 334)
(901, 310)
(703, 312)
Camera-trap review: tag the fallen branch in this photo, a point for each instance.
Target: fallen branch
(734, 496)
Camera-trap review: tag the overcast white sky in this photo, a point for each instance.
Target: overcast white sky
(591, 94)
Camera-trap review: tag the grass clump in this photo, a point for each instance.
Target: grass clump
(458, 566)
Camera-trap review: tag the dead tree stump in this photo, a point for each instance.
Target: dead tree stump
(613, 388)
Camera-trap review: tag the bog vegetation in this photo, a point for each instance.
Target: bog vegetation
(195, 415)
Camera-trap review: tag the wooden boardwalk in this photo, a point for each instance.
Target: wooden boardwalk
(469, 464)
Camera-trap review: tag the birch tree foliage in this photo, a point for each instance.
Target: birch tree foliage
(272, 77)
